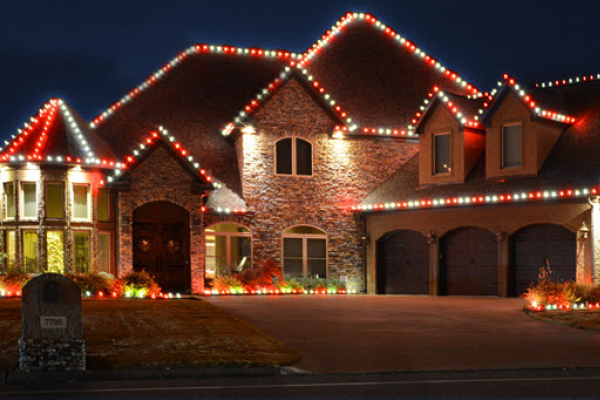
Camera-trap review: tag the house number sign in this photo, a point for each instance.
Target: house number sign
(51, 322)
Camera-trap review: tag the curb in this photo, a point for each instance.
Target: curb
(7, 378)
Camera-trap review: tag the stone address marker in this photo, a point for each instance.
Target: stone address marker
(51, 325)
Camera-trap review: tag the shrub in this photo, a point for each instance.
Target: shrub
(13, 280)
(262, 277)
(135, 284)
(228, 284)
(547, 291)
(93, 282)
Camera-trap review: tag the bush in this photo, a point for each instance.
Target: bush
(93, 282)
(227, 284)
(547, 291)
(13, 280)
(135, 284)
(262, 277)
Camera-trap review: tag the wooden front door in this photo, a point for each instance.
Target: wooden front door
(161, 245)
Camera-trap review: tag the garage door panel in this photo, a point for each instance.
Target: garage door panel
(532, 246)
(403, 266)
(469, 263)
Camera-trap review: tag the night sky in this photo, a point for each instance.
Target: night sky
(90, 53)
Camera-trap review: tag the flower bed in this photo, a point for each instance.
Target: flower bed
(551, 295)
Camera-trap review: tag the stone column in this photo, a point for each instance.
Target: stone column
(434, 264)
(196, 254)
(595, 240)
(503, 261)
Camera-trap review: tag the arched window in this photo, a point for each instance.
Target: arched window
(293, 156)
(305, 252)
(228, 249)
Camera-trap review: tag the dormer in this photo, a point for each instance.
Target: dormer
(520, 133)
(451, 139)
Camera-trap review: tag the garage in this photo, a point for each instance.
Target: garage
(536, 245)
(469, 263)
(403, 263)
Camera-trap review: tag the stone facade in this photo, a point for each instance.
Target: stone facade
(344, 172)
(160, 177)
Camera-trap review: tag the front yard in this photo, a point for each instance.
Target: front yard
(579, 319)
(157, 333)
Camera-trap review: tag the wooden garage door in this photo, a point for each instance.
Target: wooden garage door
(531, 247)
(469, 263)
(403, 266)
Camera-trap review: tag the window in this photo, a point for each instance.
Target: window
(30, 251)
(441, 154)
(80, 201)
(512, 146)
(81, 252)
(305, 252)
(55, 249)
(103, 252)
(11, 247)
(102, 205)
(9, 199)
(29, 201)
(54, 200)
(228, 249)
(293, 157)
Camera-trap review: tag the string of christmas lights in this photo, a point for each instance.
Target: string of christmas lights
(569, 81)
(478, 199)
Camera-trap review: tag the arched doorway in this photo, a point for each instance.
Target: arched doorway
(537, 245)
(161, 244)
(469, 263)
(403, 263)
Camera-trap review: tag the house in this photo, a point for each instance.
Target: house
(351, 160)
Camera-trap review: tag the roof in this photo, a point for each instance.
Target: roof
(195, 95)
(465, 109)
(376, 78)
(58, 134)
(571, 168)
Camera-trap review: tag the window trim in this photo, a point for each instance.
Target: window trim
(89, 203)
(4, 197)
(22, 201)
(46, 198)
(433, 159)
(228, 236)
(502, 126)
(89, 233)
(23, 231)
(304, 237)
(294, 161)
(64, 247)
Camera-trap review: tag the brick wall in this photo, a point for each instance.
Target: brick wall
(344, 172)
(161, 178)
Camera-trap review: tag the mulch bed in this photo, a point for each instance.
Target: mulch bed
(157, 333)
(589, 320)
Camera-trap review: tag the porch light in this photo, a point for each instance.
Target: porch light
(248, 129)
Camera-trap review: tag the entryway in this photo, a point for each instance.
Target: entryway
(161, 244)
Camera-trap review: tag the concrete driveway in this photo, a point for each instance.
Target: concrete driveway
(362, 333)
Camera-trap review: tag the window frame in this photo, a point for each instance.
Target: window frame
(228, 236)
(433, 158)
(294, 157)
(108, 211)
(22, 201)
(88, 218)
(24, 265)
(62, 184)
(304, 237)
(15, 250)
(64, 248)
(5, 198)
(504, 125)
(89, 235)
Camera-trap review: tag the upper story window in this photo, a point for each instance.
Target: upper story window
(293, 156)
(29, 200)
(103, 205)
(512, 145)
(442, 161)
(9, 199)
(80, 201)
(54, 200)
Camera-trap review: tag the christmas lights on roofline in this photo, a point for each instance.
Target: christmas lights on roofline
(530, 102)
(197, 49)
(47, 116)
(569, 81)
(519, 196)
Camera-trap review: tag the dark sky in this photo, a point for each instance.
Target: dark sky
(91, 53)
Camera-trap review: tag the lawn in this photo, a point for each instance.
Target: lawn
(157, 333)
(578, 319)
